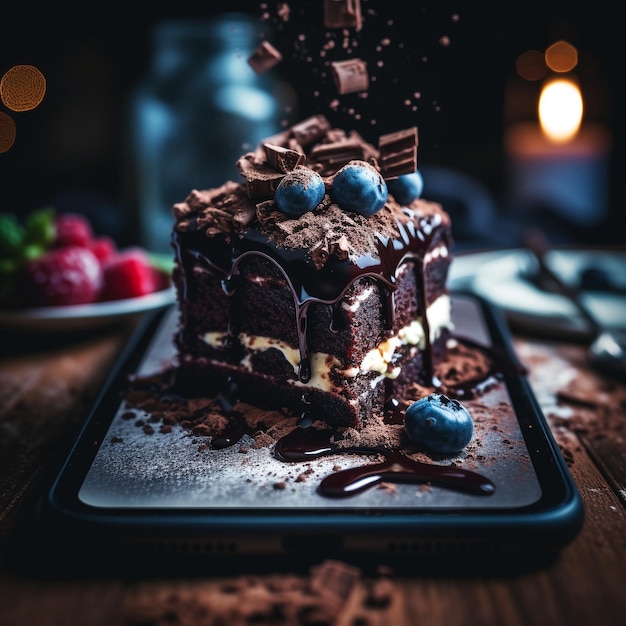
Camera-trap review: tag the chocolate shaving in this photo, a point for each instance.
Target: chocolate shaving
(196, 201)
(217, 210)
(264, 58)
(327, 248)
(343, 14)
(268, 214)
(283, 159)
(215, 221)
(398, 152)
(244, 214)
(350, 76)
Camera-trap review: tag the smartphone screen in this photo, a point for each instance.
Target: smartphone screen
(133, 469)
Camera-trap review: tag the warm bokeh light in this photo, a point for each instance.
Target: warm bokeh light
(7, 132)
(560, 110)
(561, 57)
(22, 88)
(531, 65)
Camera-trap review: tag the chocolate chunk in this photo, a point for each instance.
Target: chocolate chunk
(398, 152)
(264, 58)
(261, 178)
(350, 75)
(310, 130)
(283, 159)
(343, 14)
(332, 156)
(334, 581)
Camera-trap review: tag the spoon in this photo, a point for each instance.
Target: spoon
(607, 351)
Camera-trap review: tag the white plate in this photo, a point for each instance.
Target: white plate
(83, 316)
(499, 277)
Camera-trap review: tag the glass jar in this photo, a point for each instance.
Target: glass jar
(199, 109)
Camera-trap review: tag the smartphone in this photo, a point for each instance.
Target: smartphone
(124, 496)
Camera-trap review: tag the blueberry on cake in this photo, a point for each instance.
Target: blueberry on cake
(318, 282)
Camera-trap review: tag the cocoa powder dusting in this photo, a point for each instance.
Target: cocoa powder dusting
(574, 396)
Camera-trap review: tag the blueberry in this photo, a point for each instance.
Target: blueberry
(407, 187)
(438, 424)
(299, 191)
(359, 187)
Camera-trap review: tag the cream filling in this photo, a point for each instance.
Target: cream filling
(321, 363)
(380, 359)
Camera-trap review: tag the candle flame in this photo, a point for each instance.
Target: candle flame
(560, 110)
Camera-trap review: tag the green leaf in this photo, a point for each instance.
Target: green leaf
(11, 236)
(39, 229)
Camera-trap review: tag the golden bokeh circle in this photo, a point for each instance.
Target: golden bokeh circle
(561, 56)
(7, 132)
(531, 65)
(22, 88)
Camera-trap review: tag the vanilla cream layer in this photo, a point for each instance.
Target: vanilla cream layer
(380, 359)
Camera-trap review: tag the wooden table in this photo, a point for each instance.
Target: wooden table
(47, 386)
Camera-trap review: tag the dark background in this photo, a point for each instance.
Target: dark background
(72, 151)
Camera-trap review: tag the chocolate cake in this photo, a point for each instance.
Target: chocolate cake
(308, 285)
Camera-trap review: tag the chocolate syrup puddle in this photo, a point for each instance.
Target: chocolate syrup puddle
(397, 468)
(307, 444)
(394, 411)
(235, 430)
(237, 426)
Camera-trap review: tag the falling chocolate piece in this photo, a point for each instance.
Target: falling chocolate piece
(398, 152)
(264, 58)
(283, 159)
(350, 76)
(343, 14)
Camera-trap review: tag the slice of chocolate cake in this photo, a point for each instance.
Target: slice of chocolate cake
(307, 285)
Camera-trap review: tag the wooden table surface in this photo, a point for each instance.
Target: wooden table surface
(48, 384)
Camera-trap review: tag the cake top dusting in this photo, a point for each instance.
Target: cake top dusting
(291, 192)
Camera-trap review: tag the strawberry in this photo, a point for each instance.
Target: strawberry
(128, 274)
(72, 230)
(61, 276)
(103, 247)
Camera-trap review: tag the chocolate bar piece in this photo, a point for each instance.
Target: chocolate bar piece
(332, 156)
(350, 75)
(282, 159)
(264, 58)
(398, 152)
(343, 14)
(310, 130)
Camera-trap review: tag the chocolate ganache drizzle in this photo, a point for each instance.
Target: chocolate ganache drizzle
(223, 255)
